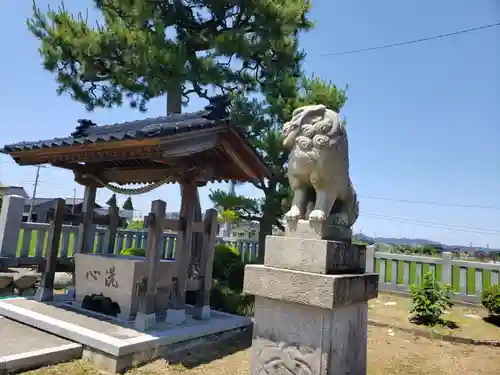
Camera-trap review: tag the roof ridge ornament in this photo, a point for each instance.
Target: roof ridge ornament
(218, 109)
(80, 130)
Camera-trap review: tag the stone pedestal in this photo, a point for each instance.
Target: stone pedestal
(311, 308)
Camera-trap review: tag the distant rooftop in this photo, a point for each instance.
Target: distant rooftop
(13, 190)
(69, 201)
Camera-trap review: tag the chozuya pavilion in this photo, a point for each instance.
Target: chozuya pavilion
(190, 149)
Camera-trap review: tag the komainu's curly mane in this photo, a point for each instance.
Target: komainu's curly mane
(313, 128)
(317, 140)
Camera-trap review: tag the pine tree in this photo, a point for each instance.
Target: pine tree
(145, 49)
(131, 56)
(127, 205)
(228, 216)
(112, 201)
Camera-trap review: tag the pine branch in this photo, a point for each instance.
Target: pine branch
(129, 58)
(251, 218)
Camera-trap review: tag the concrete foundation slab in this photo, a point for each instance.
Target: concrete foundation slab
(113, 339)
(23, 347)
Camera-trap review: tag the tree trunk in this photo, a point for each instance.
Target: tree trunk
(174, 106)
(266, 227)
(174, 102)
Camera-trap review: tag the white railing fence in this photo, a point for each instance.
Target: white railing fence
(24, 243)
(398, 271)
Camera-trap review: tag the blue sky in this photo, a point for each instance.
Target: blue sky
(423, 119)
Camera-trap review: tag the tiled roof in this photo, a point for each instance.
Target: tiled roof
(87, 132)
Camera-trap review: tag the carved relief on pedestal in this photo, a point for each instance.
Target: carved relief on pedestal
(194, 271)
(285, 359)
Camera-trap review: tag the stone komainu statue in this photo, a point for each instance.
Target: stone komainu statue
(318, 167)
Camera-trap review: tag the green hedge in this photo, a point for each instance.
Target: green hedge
(134, 251)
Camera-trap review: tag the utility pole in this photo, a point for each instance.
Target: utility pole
(74, 201)
(35, 186)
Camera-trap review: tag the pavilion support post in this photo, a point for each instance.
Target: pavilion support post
(202, 305)
(110, 237)
(45, 291)
(146, 316)
(177, 314)
(84, 244)
(85, 233)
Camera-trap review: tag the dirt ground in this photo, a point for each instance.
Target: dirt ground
(390, 352)
(468, 320)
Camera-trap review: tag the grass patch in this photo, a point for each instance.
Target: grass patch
(469, 322)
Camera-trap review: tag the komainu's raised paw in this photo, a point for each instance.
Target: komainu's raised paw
(293, 214)
(317, 215)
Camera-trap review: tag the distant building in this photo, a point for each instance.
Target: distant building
(481, 255)
(13, 190)
(43, 206)
(246, 231)
(249, 231)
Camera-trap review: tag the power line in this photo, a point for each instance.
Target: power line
(408, 201)
(433, 203)
(411, 41)
(496, 230)
(429, 225)
(35, 186)
(423, 223)
(39, 184)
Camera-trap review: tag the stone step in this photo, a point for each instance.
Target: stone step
(23, 347)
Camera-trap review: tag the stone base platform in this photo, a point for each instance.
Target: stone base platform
(111, 344)
(24, 348)
(311, 310)
(312, 289)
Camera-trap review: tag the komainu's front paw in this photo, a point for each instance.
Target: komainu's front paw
(293, 214)
(317, 215)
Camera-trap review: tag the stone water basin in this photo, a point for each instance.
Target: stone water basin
(119, 278)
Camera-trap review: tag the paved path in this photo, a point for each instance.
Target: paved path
(23, 347)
